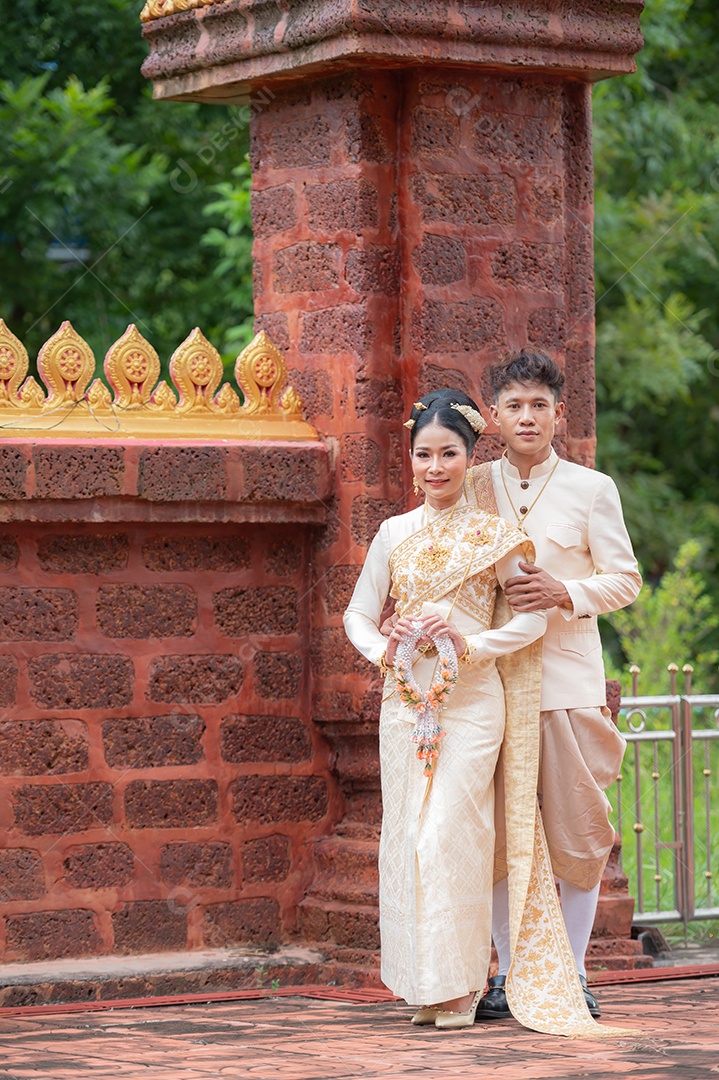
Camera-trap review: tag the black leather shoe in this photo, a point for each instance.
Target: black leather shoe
(589, 998)
(493, 1006)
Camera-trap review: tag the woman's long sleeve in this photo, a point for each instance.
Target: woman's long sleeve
(364, 611)
(522, 629)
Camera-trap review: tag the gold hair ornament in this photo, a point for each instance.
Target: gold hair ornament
(475, 420)
(408, 424)
(419, 406)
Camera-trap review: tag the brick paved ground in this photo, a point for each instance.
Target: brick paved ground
(301, 1038)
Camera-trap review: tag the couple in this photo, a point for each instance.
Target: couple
(491, 714)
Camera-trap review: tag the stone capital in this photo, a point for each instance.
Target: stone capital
(206, 51)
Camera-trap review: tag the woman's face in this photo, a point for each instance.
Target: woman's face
(439, 463)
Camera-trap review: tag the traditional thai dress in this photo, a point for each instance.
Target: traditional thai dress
(437, 841)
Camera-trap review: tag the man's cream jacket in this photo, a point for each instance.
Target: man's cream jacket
(580, 537)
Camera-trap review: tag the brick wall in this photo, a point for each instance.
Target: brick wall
(161, 779)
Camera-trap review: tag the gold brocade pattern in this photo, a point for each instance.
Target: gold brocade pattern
(424, 569)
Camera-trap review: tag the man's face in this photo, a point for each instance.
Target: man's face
(526, 415)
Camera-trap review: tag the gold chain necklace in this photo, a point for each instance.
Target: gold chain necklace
(521, 518)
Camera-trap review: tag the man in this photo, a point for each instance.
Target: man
(585, 567)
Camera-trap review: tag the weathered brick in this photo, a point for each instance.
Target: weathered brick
(273, 210)
(51, 935)
(239, 922)
(146, 611)
(266, 859)
(61, 808)
(275, 325)
(149, 926)
(440, 260)
(339, 586)
(37, 614)
(13, 471)
(9, 552)
(367, 516)
(21, 875)
(306, 267)
(365, 140)
(315, 389)
(467, 200)
(165, 553)
(82, 553)
(342, 204)
(152, 741)
(435, 131)
(80, 681)
(276, 473)
(267, 799)
(198, 865)
(8, 680)
(378, 397)
(77, 472)
(264, 609)
(544, 198)
(344, 328)
(334, 654)
(181, 473)
(463, 327)
(361, 459)
(278, 675)
(264, 738)
(547, 329)
(170, 804)
(98, 866)
(373, 269)
(527, 265)
(195, 679)
(503, 137)
(300, 144)
(43, 747)
(282, 558)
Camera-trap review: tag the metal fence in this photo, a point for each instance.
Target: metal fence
(667, 801)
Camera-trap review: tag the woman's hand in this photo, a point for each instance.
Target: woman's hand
(432, 624)
(403, 628)
(435, 624)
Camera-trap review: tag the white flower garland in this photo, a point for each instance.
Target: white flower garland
(426, 703)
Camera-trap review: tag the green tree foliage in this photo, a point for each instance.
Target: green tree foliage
(657, 260)
(672, 622)
(90, 165)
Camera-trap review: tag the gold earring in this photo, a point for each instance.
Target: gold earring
(415, 485)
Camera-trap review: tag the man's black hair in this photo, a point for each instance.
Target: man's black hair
(526, 367)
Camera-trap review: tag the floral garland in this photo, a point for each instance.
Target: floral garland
(426, 703)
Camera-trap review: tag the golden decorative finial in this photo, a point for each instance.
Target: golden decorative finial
(66, 365)
(198, 410)
(13, 366)
(133, 368)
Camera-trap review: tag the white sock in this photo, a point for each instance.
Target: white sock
(500, 924)
(578, 908)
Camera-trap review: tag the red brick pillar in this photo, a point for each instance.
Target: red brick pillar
(327, 259)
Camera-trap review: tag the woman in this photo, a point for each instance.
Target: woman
(443, 563)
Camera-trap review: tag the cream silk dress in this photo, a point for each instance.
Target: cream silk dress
(437, 843)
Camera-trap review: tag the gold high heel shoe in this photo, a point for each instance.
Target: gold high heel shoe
(447, 1020)
(427, 1014)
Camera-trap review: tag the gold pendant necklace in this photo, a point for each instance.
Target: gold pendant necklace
(521, 518)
